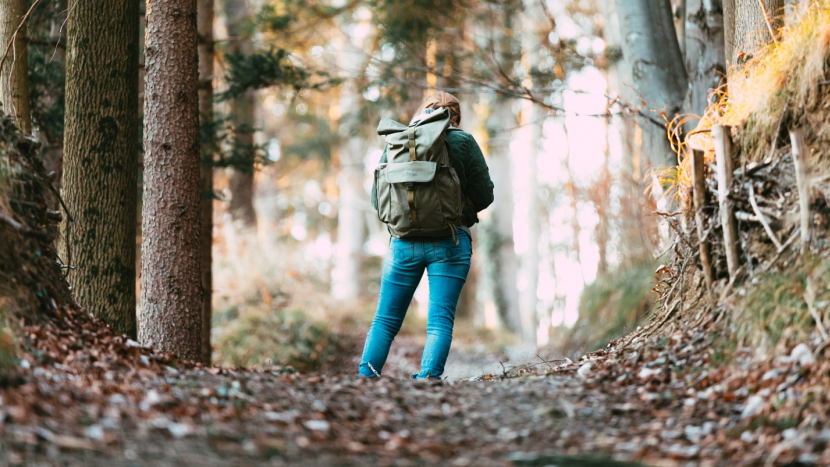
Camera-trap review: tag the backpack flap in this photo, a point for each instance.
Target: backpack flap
(411, 172)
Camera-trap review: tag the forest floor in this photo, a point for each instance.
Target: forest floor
(84, 396)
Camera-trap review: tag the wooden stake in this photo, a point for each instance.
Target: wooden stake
(699, 199)
(803, 182)
(723, 157)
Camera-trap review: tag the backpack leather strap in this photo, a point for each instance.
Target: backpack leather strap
(410, 188)
(411, 132)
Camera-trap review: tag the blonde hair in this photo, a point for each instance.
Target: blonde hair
(441, 99)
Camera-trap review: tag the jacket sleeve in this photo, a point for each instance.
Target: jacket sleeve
(479, 185)
(383, 160)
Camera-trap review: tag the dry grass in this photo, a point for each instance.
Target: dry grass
(783, 82)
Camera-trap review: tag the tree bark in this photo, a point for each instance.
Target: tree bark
(746, 26)
(14, 74)
(101, 158)
(241, 183)
(653, 55)
(705, 53)
(633, 243)
(204, 21)
(171, 290)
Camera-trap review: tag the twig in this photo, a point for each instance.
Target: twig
(761, 217)
(373, 369)
(543, 361)
(69, 221)
(809, 297)
(766, 18)
(57, 44)
(781, 251)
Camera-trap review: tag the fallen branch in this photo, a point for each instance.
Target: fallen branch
(780, 251)
(761, 218)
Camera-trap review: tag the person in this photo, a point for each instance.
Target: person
(446, 259)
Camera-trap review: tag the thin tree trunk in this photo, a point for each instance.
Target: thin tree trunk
(468, 305)
(653, 55)
(101, 158)
(14, 74)
(53, 158)
(351, 227)
(747, 26)
(532, 116)
(171, 289)
(241, 183)
(501, 266)
(705, 56)
(602, 193)
(205, 28)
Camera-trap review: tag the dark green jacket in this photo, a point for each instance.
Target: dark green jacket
(468, 161)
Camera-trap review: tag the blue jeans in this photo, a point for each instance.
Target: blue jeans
(447, 265)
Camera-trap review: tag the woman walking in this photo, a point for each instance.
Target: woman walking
(430, 189)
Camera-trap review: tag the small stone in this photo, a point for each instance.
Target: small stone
(584, 370)
(179, 430)
(118, 399)
(95, 432)
(316, 425)
(752, 407)
(803, 355)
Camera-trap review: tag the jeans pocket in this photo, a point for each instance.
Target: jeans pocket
(401, 251)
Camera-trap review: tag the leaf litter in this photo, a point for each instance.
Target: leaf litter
(87, 396)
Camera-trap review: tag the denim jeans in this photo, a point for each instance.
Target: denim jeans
(447, 265)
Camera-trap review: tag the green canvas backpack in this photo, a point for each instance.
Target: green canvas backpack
(418, 192)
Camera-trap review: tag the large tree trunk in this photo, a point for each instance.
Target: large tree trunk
(631, 243)
(241, 183)
(705, 58)
(747, 26)
(351, 227)
(14, 75)
(171, 289)
(653, 56)
(205, 28)
(101, 158)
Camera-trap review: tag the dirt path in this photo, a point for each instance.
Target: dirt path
(242, 418)
(82, 396)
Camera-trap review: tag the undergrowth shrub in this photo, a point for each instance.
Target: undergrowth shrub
(283, 338)
(612, 306)
(775, 308)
